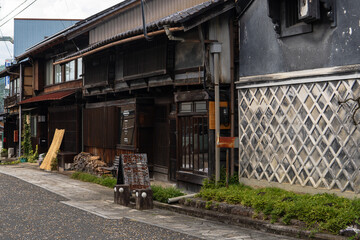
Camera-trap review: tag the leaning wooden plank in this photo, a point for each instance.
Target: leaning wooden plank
(53, 150)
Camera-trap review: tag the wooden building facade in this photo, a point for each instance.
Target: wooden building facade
(115, 90)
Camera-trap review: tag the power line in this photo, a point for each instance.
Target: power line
(6, 44)
(14, 10)
(18, 13)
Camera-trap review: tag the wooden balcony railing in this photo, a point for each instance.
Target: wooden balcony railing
(11, 101)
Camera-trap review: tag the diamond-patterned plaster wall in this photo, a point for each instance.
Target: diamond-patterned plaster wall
(300, 134)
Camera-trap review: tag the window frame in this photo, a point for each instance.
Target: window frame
(70, 75)
(61, 69)
(192, 126)
(300, 27)
(49, 72)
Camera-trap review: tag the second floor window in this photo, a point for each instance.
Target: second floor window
(63, 73)
(79, 68)
(58, 76)
(14, 87)
(49, 72)
(70, 71)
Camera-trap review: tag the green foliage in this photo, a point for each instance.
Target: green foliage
(54, 164)
(210, 183)
(208, 205)
(325, 212)
(4, 151)
(26, 142)
(10, 163)
(162, 194)
(33, 156)
(86, 177)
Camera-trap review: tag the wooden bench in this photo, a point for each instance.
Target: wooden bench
(113, 169)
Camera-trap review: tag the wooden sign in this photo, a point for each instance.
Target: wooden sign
(133, 171)
(227, 142)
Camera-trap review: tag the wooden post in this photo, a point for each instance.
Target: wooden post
(227, 167)
(144, 199)
(122, 195)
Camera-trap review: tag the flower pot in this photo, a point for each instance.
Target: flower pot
(23, 160)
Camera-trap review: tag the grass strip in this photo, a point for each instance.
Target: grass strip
(320, 212)
(11, 163)
(162, 194)
(106, 181)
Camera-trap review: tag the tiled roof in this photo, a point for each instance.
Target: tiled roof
(62, 34)
(175, 19)
(49, 97)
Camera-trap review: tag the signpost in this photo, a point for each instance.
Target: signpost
(227, 142)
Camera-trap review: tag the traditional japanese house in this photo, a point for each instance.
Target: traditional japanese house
(299, 95)
(152, 93)
(27, 81)
(11, 122)
(116, 88)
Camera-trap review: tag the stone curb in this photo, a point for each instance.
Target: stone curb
(247, 222)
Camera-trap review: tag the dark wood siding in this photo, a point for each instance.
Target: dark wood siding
(68, 118)
(101, 127)
(145, 60)
(97, 68)
(161, 136)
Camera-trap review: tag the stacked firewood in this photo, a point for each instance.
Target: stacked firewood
(86, 162)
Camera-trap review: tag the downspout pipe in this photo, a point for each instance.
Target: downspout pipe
(144, 22)
(170, 36)
(20, 110)
(215, 49)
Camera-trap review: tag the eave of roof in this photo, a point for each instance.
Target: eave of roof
(90, 22)
(49, 97)
(62, 35)
(175, 20)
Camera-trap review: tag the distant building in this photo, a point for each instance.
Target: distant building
(3, 91)
(29, 31)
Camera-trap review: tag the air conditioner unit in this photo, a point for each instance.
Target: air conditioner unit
(309, 10)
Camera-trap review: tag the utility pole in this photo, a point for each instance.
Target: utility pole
(215, 49)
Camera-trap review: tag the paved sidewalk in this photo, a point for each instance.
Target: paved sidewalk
(99, 200)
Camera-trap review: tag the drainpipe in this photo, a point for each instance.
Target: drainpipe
(20, 113)
(215, 49)
(144, 22)
(170, 36)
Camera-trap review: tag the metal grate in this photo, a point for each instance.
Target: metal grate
(300, 134)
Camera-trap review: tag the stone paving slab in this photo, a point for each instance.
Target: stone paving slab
(98, 200)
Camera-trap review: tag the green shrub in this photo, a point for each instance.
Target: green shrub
(4, 152)
(54, 164)
(33, 156)
(210, 182)
(26, 136)
(326, 212)
(10, 163)
(86, 177)
(162, 194)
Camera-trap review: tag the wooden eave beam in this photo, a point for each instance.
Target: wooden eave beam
(126, 40)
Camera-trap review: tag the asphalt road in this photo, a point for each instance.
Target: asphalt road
(30, 212)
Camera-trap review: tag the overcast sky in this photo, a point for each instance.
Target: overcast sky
(67, 9)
